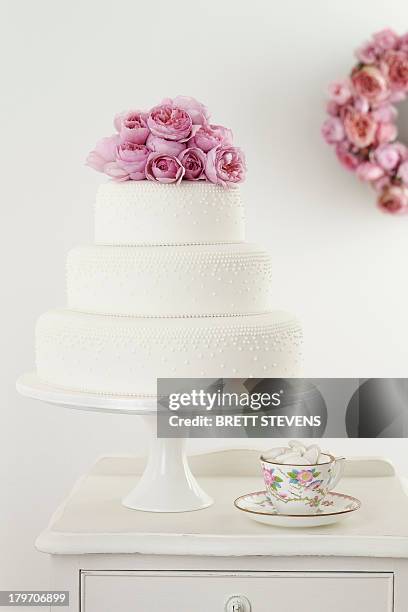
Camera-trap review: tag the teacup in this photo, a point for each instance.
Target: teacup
(301, 489)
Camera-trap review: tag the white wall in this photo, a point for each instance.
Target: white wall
(262, 68)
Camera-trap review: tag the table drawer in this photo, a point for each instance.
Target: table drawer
(135, 591)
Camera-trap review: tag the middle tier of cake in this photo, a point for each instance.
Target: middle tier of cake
(177, 281)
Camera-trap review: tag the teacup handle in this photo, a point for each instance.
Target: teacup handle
(337, 473)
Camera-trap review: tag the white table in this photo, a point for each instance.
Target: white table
(114, 558)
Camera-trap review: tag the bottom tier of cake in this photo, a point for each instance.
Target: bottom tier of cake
(126, 355)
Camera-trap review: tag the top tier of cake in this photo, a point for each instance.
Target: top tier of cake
(148, 213)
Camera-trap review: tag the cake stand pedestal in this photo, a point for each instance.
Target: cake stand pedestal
(167, 484)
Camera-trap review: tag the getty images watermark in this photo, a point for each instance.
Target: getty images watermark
(200, 398)
(276, 407)
(196, 401)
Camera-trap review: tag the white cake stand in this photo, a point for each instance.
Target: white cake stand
(167, 484)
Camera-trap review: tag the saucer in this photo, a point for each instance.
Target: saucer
(334, 508)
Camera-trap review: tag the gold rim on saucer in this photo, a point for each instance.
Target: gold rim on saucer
(350, 498)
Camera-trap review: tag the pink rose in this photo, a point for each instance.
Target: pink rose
(367, 171)
(104, 153)
(225, 164)
(333, 130)
(197, 111)
(386, 39)
(403, 172)
(367, 53)
(132, 158)
(382, 183)
(396, 96)
(370, 83)
(403, 43)
(339, 92)
(386, 132)
(361, 104)
(268, 475)
(394, 200)
(193, 161)
(388, 156)
(210, 136)
(360, 128)
(304, 476)
(130, 162)
(132, 126)
(386, 113)
(161, 145)
(347, 159)
(164, 168)
(332, 108)
(170, 122)
(402, 150)
(396, 68)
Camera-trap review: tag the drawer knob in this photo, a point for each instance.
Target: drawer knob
(238, 603)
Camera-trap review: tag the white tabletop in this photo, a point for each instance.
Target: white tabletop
(92, 520)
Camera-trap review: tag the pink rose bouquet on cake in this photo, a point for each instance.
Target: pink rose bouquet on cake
(174, 141)
(361, 125)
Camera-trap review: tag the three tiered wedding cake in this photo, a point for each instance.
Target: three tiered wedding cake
(170, 289)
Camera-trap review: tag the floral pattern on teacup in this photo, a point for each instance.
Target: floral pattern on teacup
(300, 486)
(305, 478)
(272, 480)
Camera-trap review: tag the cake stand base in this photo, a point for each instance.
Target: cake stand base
(167, 484)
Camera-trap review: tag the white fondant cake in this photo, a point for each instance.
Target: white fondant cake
(145, 212)
(170, 290)
(126, 354)
(169, 281)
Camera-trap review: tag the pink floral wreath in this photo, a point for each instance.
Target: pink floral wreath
(362, 114)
